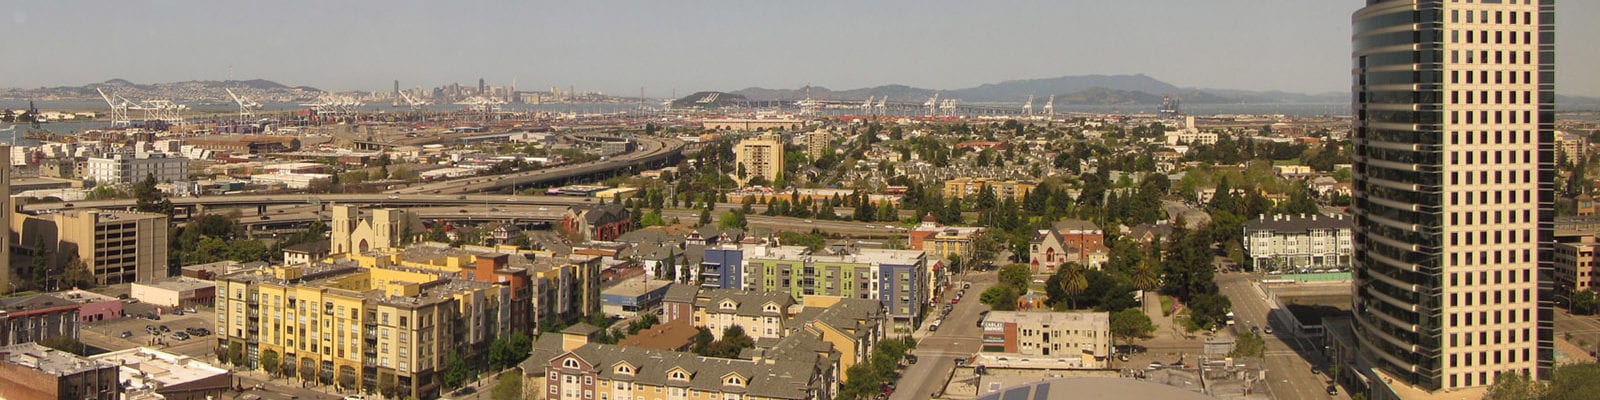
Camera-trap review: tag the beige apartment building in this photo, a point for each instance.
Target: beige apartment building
(759, 156)
(390, 330)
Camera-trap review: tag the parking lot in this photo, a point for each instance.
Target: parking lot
(108, 334)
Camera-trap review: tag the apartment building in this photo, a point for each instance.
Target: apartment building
(564, 289)
(1575, 265)
(895, 278)
(470, 265)
(35, 318)
(390, 328)
(1069, 339)
(569, 366)
(762, 315)
(125, 168)
(965, 187)
(1299, 243)
(760, 156)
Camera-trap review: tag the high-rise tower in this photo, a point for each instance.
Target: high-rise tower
(1454, 104)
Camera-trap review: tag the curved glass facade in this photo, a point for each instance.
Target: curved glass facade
(1439, 304)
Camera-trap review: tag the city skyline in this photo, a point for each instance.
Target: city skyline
(720, 46)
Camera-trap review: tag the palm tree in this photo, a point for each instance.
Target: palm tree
(1073, 283)
(1144, 279)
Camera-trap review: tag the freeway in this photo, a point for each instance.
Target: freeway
(651, 151)
(303, 199)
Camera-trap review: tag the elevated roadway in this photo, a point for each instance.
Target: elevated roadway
(651, 152)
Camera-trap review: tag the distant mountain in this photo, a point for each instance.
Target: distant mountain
(1084, 89)
(1018, 90)
(1577, 103)
(257, 89)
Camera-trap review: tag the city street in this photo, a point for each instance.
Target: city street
(958, 336)
(1288, 370)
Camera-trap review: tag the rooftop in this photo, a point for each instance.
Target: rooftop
(859, 256)
(180, 284)
(637, 286)
(147, 368)
(1100, 320)
(1094, 388)
(1299, 222)
(48, 360)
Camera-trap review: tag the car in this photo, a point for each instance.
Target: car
(1255, 329)
(355, 397)
(961, 361)
(264, 218)
(165, 329)
(177, 312)
(808, 221)
(1333, 390)
(1268, 330)
(1122, 357)
(153, 316)
(966, 285)
(1156, 364)
(954, 300)
(189, 310)
(394, 197)
(125, 334)
(911, 358)
(180, 336)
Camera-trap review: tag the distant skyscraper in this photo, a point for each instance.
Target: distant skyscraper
(482, 88)
(1454, 104)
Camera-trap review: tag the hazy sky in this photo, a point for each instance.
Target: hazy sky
(617, 47)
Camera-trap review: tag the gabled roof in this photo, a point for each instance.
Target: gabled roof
(795, 376)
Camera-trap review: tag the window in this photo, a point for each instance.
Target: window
(625, 369)
(570, 363)
(678, 375)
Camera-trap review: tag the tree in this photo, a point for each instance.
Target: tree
(149, 198)
(732, 219)
(1573, 382)
(235, 353)
(508, 387)
(1511, 385)
(455, 371)
(1130, 324)
(1249, 345)
(1017, 276)
(1207, 310)
(1584, 302)
(1144, 278)
(702, 340)
(76, 274)
(270, 362)
(1073, 283)
(999, 298)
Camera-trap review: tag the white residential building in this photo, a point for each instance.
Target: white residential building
(1299, 243)
(118, 168)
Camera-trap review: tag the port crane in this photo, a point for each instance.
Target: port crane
(1028, 107)
(247, 107)
(119, 109)
(933, 105)
(407, 100)
(1050, 107)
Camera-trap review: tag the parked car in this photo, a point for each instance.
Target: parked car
(180, 336)
(165, 329)
(1268, 330)
(1333, 390)
(189, 310)
(177, 312)
(961, 361)
(911, 358)
(125, 334)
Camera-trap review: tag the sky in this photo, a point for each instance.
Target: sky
(680, 47)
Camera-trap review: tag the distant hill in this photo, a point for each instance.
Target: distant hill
(1083, 89)
(256, 89)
